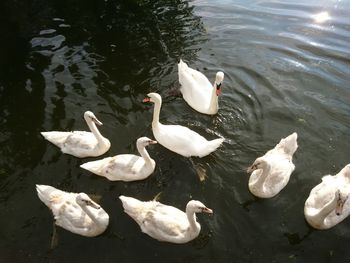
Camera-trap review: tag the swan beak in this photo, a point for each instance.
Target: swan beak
(97, 121)
(207, 210)
(152, 142)
(94, 205)
(340, 206)
(251, 168)
(218, 89)
(146, 99)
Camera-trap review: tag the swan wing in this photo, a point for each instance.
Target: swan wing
(280, 170)
(180, 139)
(80, 140)
(195, 88)
(165, 222)
(120, 167)
(127, 167)
(321, 194)
(197, 78)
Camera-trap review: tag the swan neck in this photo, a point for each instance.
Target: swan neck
(191, 215)
(325, 211)
(89, 213)
(95, 131)
(144, 154)
(264, 173)
(214, 105)
(156, 112)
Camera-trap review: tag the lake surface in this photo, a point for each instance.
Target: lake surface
(286, 67)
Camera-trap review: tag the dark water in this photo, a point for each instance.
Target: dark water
(285, 71)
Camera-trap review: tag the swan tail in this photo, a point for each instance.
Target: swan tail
(289, 144)
(134, 208)
(212, 146)
(130, 204)
(45, 193)
(182, 65)
(96, 167)
(55, 137)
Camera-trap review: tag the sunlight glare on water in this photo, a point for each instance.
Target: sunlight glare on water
(286, 66)
(321, 17)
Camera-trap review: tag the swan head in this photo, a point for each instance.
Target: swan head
(198, 207)
(341, 199)
(144, 141)
(90, 116)
(259, 163)
(153, 97)
(84, 199)
(218, 81)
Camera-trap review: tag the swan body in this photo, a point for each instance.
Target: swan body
(197, 91)
(125, 167)
(327, 203)
(75, 212)
(81, 143)
(271, 172)
(163, 222)
(178, 138)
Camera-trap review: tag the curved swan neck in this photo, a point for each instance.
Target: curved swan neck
(214, 104)
(95, 131)
(89, 213)
(156, 112)
(144, 154)
(264, 173)
(325, 211)
(191, 216)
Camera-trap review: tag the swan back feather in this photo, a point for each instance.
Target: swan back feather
(163, 222)
(177, 138)
(197, 91)
(271, 172)
(319, 209)
(74, 212)
(80, 143)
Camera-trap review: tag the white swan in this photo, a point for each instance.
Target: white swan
(125, 167)
(271, 172)
(163, 222)
(197, 90)
(81, 143)
(178, 138)
(74, 212)
(327, 203)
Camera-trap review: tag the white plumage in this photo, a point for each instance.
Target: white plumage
(80, 143)
(327, 203)
(75, 212)
(163, 222)
(125, 167)
(178, 138)
(271, 172)
(197, 91)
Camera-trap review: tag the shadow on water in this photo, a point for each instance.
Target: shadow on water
(58, 59)
(284, 72)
